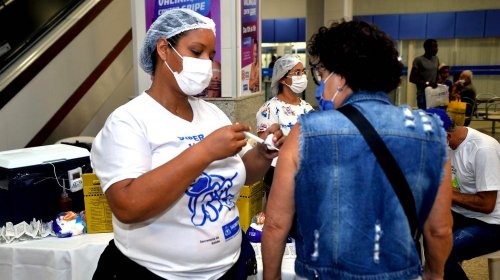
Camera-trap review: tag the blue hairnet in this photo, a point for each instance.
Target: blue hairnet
(167, 25)
(445, 119)
(281, 67)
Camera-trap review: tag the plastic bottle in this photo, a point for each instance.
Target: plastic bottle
(65, 202)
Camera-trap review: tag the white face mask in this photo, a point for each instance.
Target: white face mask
(299, 84)
(195, 75)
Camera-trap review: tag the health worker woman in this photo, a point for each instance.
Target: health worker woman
(172, 165)
(289, 80)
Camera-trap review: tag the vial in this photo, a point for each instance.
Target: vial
(65, 202)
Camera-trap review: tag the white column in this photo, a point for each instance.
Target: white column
(322, 13)
(411, 89)
(230, 47)
(141, 79)
(336, 10)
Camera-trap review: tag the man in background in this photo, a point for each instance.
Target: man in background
(475, 165)
(273, 60)
(424, 70)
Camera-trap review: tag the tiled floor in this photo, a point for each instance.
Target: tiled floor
(476, 269)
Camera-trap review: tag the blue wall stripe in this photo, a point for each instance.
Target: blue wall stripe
(268, 31)
(285, 30)
(440, 25)
(388, 23)
(470, 24)
(412, 26)
(301, 30)
(492, 23)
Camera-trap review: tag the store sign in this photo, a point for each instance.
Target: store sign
(200, 6)
(250, 46)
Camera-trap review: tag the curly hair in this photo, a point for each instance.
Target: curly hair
(364, 55)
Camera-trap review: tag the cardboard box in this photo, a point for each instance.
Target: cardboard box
(250, 203)
(97, 209)
(32, 181)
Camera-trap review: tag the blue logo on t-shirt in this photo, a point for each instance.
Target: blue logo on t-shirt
(208, 196)
(232, 228)
(191, 139)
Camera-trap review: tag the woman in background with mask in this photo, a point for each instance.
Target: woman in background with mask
(288, 82)
(172, 165)
(348, 221)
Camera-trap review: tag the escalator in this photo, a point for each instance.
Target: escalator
(24, 22)
(64, 66)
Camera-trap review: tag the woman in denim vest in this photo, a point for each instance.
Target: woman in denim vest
(348, 221)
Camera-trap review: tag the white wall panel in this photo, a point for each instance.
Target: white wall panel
(114, 87)
(44, 95)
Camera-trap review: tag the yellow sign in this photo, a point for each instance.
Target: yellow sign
(97, 210)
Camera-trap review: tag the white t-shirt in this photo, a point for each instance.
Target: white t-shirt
(475, 167)
(199, 236)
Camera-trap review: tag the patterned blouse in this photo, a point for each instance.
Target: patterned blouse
(282, 113)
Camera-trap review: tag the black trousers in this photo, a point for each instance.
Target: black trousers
(113, 264)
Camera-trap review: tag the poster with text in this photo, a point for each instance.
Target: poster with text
(208, 8)
(250, 45)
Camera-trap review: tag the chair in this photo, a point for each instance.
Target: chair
(492, 112)
(481, 102)
(469, 109)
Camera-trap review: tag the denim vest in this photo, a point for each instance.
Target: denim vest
(349, 223)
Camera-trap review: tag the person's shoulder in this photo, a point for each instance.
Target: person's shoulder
(322, 117)
(481, 139)
(272, 102)
(208, 108)
(136, 105)
(306, 104)
(418, 58)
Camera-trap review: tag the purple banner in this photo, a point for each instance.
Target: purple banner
(250, 45)
(208, 8)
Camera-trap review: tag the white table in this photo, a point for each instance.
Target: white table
(53, 258)
(76, 258)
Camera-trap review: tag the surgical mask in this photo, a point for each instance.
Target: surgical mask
(325, 105)
(195, 75)
(299, 84)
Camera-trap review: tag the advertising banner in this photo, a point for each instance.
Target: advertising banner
(208, 8)
(250, 46)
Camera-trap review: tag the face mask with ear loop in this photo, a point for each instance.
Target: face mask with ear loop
(299, 84)
(325, 105)
(195, 75)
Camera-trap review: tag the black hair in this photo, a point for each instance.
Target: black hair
(173, 41)
(280, 85)
(428, 43)
(364, 55)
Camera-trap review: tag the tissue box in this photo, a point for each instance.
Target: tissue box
(250, 203)
(30, 178)
(97, 211)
